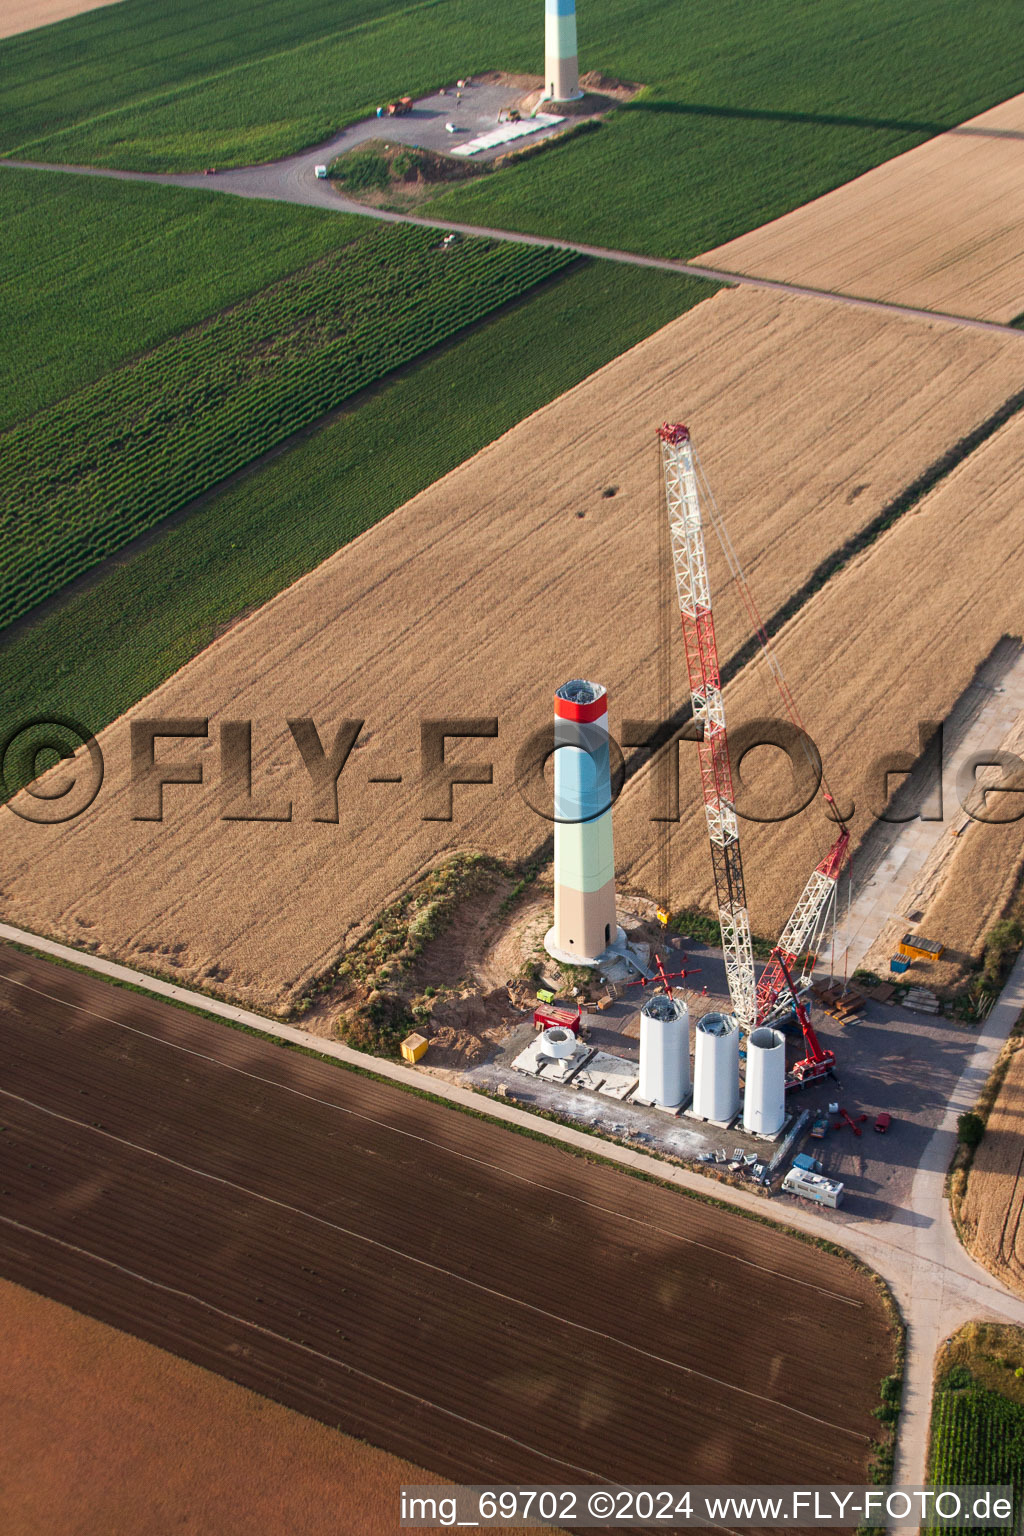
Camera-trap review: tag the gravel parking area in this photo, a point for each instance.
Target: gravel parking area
(474, 111)
(888, 1059)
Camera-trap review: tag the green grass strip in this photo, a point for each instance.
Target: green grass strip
(144, 615)
(82, 478)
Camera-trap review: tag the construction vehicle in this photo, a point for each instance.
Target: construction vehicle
(400, 108)
(753, 1003)
(819, 1061)
(509, 115)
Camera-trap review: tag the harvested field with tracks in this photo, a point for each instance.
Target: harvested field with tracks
(542, 556)
(892, 640)
(163, 1446)
(407, 1273)
(940, 227)
(992, 1206)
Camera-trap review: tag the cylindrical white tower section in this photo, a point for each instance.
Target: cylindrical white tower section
(764, 1097)
(561, 71)
(716, 1068)
(584, 858)
(664, 1051)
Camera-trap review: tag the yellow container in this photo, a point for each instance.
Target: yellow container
(414, 1047)
(913, 947)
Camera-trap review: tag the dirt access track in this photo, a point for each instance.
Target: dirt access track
(941, 227)
(415, 1276)
(541, 558)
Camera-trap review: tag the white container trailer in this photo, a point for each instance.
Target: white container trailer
(813, 1186)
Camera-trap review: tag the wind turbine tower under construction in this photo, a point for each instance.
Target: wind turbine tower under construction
(561, 70)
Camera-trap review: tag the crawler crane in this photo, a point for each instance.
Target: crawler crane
(753, 1003)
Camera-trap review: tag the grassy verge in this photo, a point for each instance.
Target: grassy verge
(977, 1429)
(86, 475)
(98, 271)
(749, 110)
(103, 648)
(705, 929)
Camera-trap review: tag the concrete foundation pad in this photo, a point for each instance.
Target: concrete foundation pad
(722, 1125)
(534, 1061)
(567, 957)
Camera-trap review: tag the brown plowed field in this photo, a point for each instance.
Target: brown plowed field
(104, 1435)
(478, 598)
(476, 1301)
(992, 1209)
(941, 227)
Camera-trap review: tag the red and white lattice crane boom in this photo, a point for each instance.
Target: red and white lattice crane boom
(815, 910)
(802, 936)
(694, 592)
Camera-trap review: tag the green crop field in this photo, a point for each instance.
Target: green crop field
(82, 477)
(140, 618)
(96, 271)
(750, 107)
(977, 1438)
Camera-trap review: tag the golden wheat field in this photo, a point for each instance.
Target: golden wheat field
(164, 1446)
(993, 1202)
(940, 227)
(541, 558)
(892, 640)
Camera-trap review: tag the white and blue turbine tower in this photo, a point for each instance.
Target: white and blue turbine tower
(562, 81)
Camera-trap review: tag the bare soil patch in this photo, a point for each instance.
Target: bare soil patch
(543, 557)
(941, 227)
(26, 15)
(397, 176)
